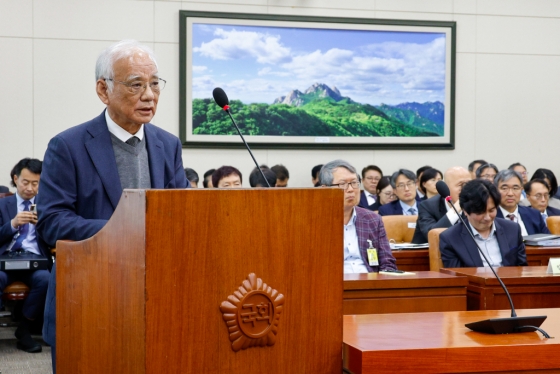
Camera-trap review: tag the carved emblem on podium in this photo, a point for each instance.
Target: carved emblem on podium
(252, 314)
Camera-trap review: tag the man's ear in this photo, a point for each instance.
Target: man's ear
(102, 91)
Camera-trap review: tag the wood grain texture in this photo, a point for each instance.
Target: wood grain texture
(202, 244)
(529, 287)
(412, 259)
(100, 295)
(440, 343)
(424, 291)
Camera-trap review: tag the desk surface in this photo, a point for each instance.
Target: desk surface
(511, 275)
(419, 279)
(440, 342)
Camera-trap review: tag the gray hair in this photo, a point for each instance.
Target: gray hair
(407, 173)
(326, 174)
(113, 53)
(505, 175)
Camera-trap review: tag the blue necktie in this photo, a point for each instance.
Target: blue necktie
(412, 211)
(23, 229)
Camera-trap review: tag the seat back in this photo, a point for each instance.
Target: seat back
(435, 254)
(553, 224)
(400, 228)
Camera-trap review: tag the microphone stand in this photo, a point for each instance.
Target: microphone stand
(501, 325)
(228, 111)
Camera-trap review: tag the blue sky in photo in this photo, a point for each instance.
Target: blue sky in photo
(259, 64)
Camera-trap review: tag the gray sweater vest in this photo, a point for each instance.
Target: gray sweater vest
(132, 163)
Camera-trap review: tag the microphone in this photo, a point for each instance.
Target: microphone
(495, 325)
(222, 100)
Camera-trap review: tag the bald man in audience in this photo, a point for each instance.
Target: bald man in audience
(436, 212)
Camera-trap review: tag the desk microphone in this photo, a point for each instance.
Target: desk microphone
(495, 325)
(222, 100)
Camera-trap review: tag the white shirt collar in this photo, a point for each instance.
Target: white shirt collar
(406, 207)
(20, 200)
(352, 221)
(492, 231)
(119, 132)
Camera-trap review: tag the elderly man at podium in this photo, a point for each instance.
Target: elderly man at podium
(366, 247)
(86, 167)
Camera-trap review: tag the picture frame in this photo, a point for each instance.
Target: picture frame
(298, 82)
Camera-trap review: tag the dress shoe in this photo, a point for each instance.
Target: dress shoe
(25, 341)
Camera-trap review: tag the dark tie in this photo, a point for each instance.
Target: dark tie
(511, 217)
(133, 141)
(412, 211)
(23, 229)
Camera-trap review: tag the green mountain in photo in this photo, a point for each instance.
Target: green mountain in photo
(317, 112)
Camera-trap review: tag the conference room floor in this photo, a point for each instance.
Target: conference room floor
(14, 361)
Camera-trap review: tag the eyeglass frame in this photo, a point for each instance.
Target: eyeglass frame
(540, 196)
(408, 184)
(144, 85)
(344, 185)
(506, 189)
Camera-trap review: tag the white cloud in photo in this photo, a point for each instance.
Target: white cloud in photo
(199, 69)
(235, 45)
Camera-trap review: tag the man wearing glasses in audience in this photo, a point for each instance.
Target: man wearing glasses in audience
(404, 186)
(538, 195)
(371, 175)
(361, 226)
(510, 183)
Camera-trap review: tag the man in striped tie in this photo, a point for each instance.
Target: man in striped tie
(17, 235)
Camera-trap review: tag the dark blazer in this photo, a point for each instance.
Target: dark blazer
(370, 226)
(458, 249)
(80, 186)
(551, 212)
(8, 210)
(392, 209)
(532, 219)
(364, 203)
(432, 213)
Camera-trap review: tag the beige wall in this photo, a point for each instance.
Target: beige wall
(508, 75)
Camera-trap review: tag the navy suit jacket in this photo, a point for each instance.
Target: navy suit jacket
(364, 203)
(80, 186)
(551, 212)
(393, 208)
(8, 210)
(459, 250)
(532, 219)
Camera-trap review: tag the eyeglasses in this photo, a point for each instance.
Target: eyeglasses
(135, 87)
(514, 188)
(344, 185)
(389, 194)
(488, 176)
(540, 196)
(410, 184)
(371, 179)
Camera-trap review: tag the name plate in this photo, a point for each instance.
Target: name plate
(553, 266)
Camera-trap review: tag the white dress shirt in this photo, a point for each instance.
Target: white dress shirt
(517, 219)
(353, 262)
(30, 242)
(121, 133)
(489, 246)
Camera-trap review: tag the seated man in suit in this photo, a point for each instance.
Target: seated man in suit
(436, 212)
(360, 225)
(499, 239)
(371, 175)
(510, 184)
(17, 234)
(404, 186)
(538, 195)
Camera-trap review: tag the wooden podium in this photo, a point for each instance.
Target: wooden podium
(144, 294)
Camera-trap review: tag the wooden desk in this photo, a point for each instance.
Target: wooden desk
(419, 259)
(424, 291)
(412, 259)
(529, 287)
(440, 343)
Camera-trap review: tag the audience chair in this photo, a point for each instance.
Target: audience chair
(553, 224)
(400, 228)
(435, 254)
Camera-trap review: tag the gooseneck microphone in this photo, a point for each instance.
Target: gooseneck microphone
(495, 325)
(222, 100)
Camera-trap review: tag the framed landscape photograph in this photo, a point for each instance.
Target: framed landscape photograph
(317, 82)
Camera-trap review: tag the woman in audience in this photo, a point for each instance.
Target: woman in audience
(227, 177)
(548, 176)
(487, 171)
(428, 182)
(385, 193)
